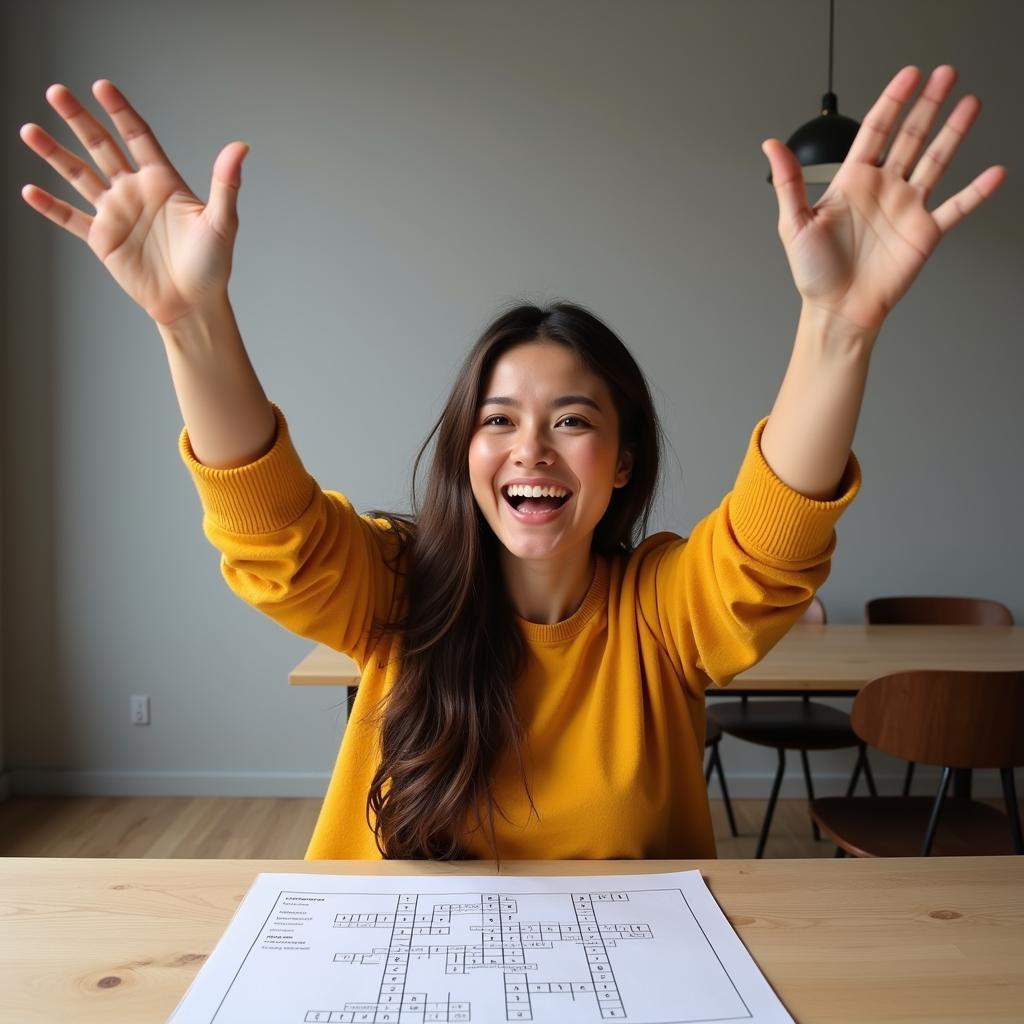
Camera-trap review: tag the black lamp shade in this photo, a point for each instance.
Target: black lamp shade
(821, 145)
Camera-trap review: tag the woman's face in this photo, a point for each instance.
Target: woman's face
(545, 419)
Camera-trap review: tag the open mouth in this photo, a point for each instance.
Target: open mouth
(534, 506)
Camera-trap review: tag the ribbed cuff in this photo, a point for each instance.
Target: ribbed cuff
(260, 497)
(773, 519)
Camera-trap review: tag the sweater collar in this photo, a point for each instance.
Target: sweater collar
(596, 597)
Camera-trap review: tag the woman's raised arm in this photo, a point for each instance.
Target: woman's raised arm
(172, 254)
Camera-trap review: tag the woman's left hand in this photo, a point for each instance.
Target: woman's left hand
(858, 249)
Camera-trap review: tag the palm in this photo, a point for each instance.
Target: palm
(867, 239)
(858, 249)
(152, 234)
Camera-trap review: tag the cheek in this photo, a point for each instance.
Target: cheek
(594, 462)
(484, 460)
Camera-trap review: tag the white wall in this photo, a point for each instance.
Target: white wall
(413, 166)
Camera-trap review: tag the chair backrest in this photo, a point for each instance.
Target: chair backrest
(936, 611)
(815, 614)
(954, 719)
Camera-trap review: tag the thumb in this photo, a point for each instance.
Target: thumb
(222, 209)
(788, 180)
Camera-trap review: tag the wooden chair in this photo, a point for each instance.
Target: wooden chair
(792, 723)
(712, 738)
(935, 611)
(949, 719)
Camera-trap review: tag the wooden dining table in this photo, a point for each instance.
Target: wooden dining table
(820, 660)
(936, 940)
(830, 660)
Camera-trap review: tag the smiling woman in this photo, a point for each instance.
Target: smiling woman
(532, 678)
(482, 558)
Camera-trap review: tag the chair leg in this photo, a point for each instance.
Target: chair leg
(908, 778)
(725, 793)
(865, 764)
(715, 762)
(855, 777)
(810, 792)
(933, 823)
(1010, 796)
(767, 824)
(868, 776)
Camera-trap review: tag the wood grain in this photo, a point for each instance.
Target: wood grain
(213, 827)
(83, 826)
(822, 659)
(935, 940)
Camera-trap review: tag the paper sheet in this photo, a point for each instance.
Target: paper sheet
(333, 949)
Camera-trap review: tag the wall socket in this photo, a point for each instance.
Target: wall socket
(140, 710)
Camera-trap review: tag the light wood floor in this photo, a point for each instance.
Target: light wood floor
(279, 828)
(190, 827)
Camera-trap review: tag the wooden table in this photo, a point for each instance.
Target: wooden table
(820, 660)
(838, 660)
(935, 940)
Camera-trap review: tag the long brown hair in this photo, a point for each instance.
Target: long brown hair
(452, 710)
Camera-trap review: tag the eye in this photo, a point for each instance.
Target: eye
(578, 421)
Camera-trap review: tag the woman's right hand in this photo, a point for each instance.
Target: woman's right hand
(163, 246)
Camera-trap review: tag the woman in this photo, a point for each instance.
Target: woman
(532, 679)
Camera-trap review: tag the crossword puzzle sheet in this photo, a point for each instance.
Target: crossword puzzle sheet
(342, 949)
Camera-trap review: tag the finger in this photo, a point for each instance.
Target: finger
(788, 179)
(135, 132)
(910, 139)
(63, 214)
(878, 121)
(97, 140)
(227, 179)
(954, 209)
(73, 169)
(938, 155)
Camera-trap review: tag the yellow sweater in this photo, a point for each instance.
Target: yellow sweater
(612, 699)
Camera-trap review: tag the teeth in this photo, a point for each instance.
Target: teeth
(525, 491)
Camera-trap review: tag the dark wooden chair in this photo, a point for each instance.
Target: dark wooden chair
(935, 611)
(949, 719)
(792, 723)
(712, 738)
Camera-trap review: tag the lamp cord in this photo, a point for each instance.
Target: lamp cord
(831, 22)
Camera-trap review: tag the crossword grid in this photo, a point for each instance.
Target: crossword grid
(504, 943)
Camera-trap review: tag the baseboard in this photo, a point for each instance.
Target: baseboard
(758, 785)
(41, 782)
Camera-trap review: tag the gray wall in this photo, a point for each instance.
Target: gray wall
(414, 166)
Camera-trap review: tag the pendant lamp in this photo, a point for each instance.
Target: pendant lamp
(821, 145)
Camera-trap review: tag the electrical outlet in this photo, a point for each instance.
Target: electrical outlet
(140, 710)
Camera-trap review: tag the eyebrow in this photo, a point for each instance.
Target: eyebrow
(556, 403)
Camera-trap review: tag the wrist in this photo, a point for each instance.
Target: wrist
(833, 335)
(212, 307)
(201, 325)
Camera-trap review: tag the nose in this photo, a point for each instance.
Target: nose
(531, 448)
